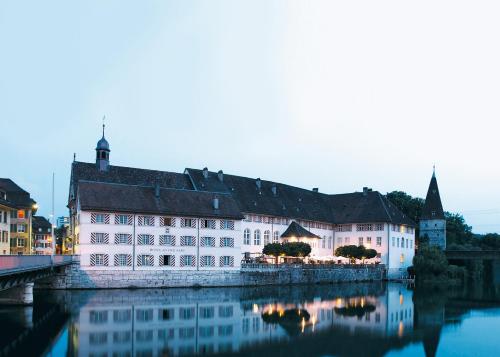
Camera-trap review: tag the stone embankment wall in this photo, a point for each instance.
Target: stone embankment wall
(72, 277)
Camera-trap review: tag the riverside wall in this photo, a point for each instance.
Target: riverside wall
(73, 277)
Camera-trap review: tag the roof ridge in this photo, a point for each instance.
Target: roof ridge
(384, 205)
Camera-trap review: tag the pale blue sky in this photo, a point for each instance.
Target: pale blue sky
(335, 95)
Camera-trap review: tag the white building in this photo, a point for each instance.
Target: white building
(135, 219)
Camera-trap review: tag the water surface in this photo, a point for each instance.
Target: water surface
(363, 319)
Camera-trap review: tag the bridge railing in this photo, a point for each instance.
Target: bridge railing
(18, 263)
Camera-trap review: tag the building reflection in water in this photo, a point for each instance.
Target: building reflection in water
(180, 322)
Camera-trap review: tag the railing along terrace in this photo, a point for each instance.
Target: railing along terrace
(270, 266)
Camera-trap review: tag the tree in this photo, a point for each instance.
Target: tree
(410, 206)
(274, 250)
(352, 252)
(430, 262)
(457, 231)
(369, 254)
(296, 249)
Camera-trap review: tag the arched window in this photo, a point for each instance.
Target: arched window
(256, 237)
(276, 237)
(267, 236)
(246, 237)
(402, 242)
(324, 242)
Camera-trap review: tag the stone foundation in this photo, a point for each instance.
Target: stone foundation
(72, 277)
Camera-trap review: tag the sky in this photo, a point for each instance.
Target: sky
(329, 94)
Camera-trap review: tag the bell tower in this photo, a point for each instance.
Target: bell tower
(432, 220)
(102, 152)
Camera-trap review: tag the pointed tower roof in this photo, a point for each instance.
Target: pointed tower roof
(433, 209)
(102, 144)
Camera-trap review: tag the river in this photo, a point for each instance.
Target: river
(357, 319)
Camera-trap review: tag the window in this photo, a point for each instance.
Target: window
(167, 222)
(21, 242)
(207, 242)
(186, 313)
(121, 316)
(98, 317)
(98, 238)
(397, 240)
(188, 223)
(100, 259)
(248, 218)
(145, 239)
(145, 260)
(207, 261)
(226, 224)
(207, 331)
(364, 227)
(411, 244)
(122, 238)
(208, 223)
(402, 258)
(346, 240)
(267, 236)
(379, 227)
(167, 260)
(187, 260)
(407, 243)
(360, 241)
(276, 237)
(256, 237)
(165, 314)
(225, 311)
(246, 237)
(146, 221)
(323, 242)
(21, 214)
(226, 261)
(21, 228)
(330, 242)
(167, 240)
(144, 315)
(207, 312)
(226, 242)
(402, 242)
(379, 241)
(123, 219)
(100, 218)
(188, 241)
(122, 259)
(368, 241)
(393, 241)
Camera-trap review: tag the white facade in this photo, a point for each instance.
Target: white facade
(125, 241)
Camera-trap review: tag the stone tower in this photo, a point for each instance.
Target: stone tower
(432, 220)
(102, 153)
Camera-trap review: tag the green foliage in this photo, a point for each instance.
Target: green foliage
(430, 262)
(290, 249)
(410, 206)
(490, 241)
(457, 231)
(353, 252)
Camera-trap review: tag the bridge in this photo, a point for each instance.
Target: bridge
(473, 254)
(19, 272)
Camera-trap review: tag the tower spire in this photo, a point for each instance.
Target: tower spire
(103, 125)
(434, 170)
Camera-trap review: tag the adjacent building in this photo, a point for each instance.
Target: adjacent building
(432, 220)
(137, 219)
(42, 236)
(6, 207)
(22, 209)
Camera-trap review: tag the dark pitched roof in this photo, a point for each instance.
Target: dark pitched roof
(16, 196)
(288, 201)
(273, 199)
(296, 230)
(370, 206)
(433, 209)
(40, 222)
(129, 176)
(142, 199)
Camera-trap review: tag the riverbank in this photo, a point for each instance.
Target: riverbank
(73, 277)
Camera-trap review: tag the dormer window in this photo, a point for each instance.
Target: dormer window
(433, 213)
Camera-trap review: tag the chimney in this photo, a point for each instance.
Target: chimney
(220, 175)
(205, 172)
(216, 203)
(258, 183)
(274, 189)
(315, 189)
(157, 189)
(365, 191)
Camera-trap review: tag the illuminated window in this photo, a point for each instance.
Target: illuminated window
(402, 258)
(21, 214)
(379, 241)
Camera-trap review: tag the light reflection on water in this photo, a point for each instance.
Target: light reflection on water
(370, 319)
